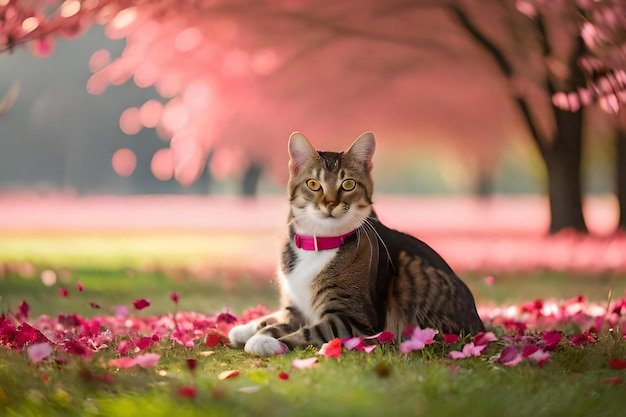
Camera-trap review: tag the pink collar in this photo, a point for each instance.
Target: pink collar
(317, 243)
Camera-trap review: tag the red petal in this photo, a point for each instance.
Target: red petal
(79, 286)
(214, 337)
(187, 392)
(228, 374)
(450, 338)
(63, 292)
(174, 297)
(141, 303)
(613, 380)
(192, 364)
(284, 376)
(617, 363)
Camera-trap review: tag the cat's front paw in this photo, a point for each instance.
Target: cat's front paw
(262, 345)
(239, 335)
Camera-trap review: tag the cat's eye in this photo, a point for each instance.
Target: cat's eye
(348, 184)
(314, 185)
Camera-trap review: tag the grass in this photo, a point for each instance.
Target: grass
(384, 382)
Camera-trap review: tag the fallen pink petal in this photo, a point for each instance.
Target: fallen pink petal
(63, 292)
(307, 363)
(79, 286)
(353, 343)
(510, 356)
(147, 360)
(468, 351)
(39, 352)
(484, 338)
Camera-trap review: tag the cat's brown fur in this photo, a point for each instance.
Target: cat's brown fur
(379, 279)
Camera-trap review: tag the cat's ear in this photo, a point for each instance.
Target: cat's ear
(363, 149)
(300, 151)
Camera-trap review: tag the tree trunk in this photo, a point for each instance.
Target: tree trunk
(251, 178)
(620, 161)
(563, 162)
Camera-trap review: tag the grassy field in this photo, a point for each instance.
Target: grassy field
(578, 381)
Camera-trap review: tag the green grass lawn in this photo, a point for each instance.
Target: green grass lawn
(385, 382)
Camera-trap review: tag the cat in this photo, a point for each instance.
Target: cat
(343, 273)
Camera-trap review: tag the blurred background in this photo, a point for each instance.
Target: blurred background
(499, 127)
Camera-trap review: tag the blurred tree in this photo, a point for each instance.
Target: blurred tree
(228, 69)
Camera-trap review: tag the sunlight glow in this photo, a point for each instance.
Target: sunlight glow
(129, 121)
(150, 113)
(124, 162)
(99, 60)
(162, 166)
(197, 95)
(124, 18)
(175, 115)
(48, 277)
(29, 24)
(188, 39)
(70, 8)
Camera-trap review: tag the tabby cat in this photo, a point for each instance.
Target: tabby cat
(343, 273)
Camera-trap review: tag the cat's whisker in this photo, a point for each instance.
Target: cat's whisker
(371, 226)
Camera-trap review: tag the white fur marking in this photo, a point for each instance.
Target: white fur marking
(298, 281)
(263, 345)
(239, 335)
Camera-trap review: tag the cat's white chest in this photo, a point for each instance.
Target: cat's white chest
(298, 282)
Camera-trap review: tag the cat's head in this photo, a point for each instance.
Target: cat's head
(330, 192)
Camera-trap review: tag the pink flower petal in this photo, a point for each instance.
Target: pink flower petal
(63, 292)
(123, 362)
(450, 338)
(369, 348)
(509, 356)
(39, 352)
(551, 339)
(147, 360)
(484, 338)
(304, 363)
(353, 343)
(79, 286)
(409, 346)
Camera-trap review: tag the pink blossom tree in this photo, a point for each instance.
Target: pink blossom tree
(237, 77)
